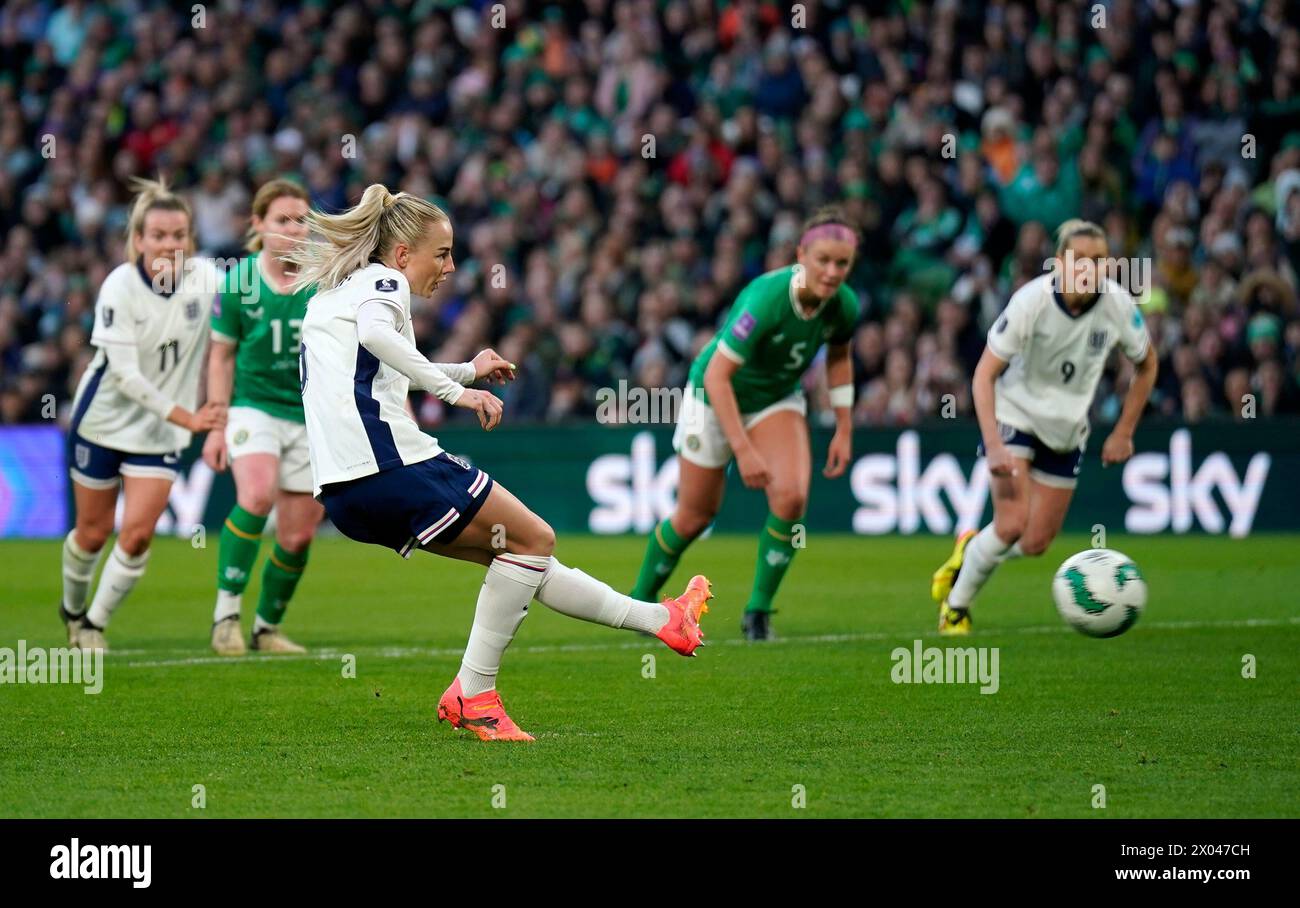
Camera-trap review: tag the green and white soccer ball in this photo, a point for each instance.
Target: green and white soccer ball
(1099, 592)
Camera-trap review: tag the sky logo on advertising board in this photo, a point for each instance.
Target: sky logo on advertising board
(1187, 497)
(897, 495)
(900, 492)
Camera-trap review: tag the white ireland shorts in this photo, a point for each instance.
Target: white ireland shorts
(699, 437)
(252, 431)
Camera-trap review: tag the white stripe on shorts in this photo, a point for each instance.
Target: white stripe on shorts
(447, 520)
(477, 485)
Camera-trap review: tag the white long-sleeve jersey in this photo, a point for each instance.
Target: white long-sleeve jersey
(149, 355)
(357, 363)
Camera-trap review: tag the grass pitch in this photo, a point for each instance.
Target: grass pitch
(1162, 716)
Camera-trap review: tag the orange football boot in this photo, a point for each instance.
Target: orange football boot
(682, 630)
(482, 714)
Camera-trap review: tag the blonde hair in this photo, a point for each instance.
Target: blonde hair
(1075, 227)
(353, 238)
(275, 189)
(153, 195)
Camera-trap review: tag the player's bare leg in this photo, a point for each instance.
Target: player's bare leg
(297, 516)
(518, 545)
(1048, 506)
(146, 498)
(699, 496)
(256, 477)
(976, 556)
(96, 509)
(782, 440)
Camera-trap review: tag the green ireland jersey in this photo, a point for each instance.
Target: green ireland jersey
(773, 339)
(267, 328)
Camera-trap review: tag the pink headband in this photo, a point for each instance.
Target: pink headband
(829, 232)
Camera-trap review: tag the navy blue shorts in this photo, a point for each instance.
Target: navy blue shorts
(1051, 468)
(407, 506)
(97, 467)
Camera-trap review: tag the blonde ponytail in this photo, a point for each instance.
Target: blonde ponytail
(153, 195)
(351, 239)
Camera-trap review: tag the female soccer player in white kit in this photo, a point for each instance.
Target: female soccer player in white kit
(134, 410)
(383, 481)
(1032, 388)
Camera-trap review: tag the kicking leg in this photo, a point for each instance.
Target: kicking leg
(517, 545)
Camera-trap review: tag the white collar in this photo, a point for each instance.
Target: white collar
(798, 309)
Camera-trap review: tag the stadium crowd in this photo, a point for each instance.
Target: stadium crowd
(618, 169)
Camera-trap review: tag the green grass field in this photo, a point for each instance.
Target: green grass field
(1162, 716)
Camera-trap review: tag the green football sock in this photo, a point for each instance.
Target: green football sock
(662, 553)
(240, 538)
(775, 552)
(279, 579)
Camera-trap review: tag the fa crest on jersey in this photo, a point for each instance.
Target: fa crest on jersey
(1096, 342)
(386, 284)
(192, 310)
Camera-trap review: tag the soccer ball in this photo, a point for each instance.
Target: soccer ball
(1099, 592)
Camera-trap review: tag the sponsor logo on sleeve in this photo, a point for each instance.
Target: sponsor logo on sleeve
(744, 326)
(108, 316)
(386, 284)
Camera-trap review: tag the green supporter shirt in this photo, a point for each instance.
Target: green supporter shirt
(773, 342)
(266, 327)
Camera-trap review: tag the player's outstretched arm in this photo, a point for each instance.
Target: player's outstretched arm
(377, 332)
(839, 379)
(1000, 461)
(717, 383)
(1119, 444)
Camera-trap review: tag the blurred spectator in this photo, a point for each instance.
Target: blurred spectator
(617, 171)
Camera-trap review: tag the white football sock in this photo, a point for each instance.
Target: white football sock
(78, 571)
(121, 572)
(571, 592)
(983, 554)
(228, 604)
(502, 606)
